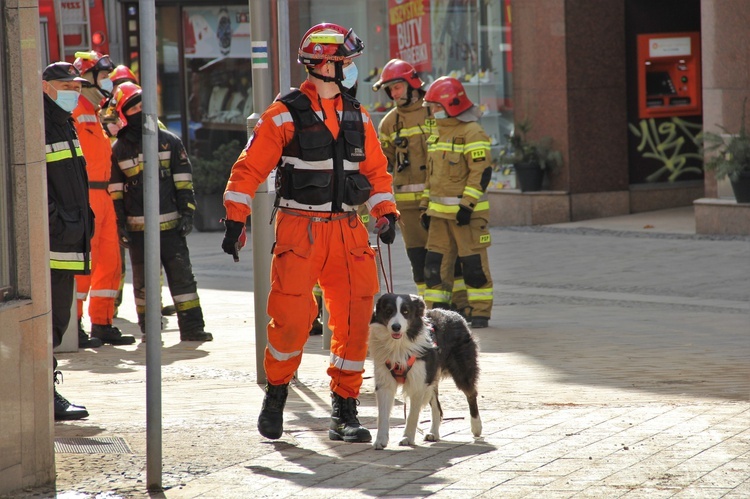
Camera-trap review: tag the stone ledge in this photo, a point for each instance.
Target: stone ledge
(511, 207)
(721, 216)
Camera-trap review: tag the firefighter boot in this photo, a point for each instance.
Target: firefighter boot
(271, 419)
(64, 410)
(344, 423)
(84, 340)
(110, 334)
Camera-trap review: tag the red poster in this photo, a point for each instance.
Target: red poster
(409, 32)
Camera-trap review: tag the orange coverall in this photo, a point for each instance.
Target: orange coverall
(104, 281)
(334, 253)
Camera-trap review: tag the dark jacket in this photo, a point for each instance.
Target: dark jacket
(71, 221)
(175, 181)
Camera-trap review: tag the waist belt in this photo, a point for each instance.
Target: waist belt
(99, 185)
(332, 218)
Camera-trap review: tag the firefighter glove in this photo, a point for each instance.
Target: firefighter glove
(186, 224)
(234, 238)
(463, 217)
(122, 236)
(424, 220)
(386, 228)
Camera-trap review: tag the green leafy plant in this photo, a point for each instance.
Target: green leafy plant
(210, 175)
(519, 149)
(730, 152)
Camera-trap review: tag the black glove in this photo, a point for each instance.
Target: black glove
(424, 220)
(463, 217)
(387, 234)
(231, 243)
(186, 224)
(122, 237)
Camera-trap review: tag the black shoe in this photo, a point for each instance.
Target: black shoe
(64, 410)
(271, 419)
(479, 322)
(84, 340)
(344, 423)
(110, 334)
(196, 336)
(168, 310)
(317, 328)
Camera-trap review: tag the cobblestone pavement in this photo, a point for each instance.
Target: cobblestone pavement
(616, 364)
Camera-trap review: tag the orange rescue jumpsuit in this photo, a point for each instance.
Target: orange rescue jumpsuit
(330, 248)
(104, 280)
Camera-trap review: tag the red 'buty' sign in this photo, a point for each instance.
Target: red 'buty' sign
(409, 31)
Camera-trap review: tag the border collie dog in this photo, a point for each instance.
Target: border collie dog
(415, 348)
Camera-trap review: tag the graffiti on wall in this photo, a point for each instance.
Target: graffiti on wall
(674, 143)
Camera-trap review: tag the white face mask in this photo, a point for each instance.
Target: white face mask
(67, 99)
(439, 115)
(106, 85)
(350, 76)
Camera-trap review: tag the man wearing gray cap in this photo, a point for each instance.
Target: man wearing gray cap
(71, 222)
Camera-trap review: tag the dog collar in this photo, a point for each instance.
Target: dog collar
(399, 371)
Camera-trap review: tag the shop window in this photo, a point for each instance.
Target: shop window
(466, 39)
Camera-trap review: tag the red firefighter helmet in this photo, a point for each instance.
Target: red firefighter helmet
(122, 74)
(398, 70)
(125, 97)
(328, 42)
(92, 61)
(448, 92)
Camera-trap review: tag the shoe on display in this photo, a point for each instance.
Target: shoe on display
(110, 334)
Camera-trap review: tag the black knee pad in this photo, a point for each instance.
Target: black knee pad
(473, 274)
(432, 262)
(417, 259)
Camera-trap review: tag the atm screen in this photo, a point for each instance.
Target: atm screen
(659, 83)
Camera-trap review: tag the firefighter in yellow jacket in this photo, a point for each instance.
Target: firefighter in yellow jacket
(403, 134)
(454, 205)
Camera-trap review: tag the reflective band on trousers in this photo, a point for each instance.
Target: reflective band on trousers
(282, 356)
(347, 365)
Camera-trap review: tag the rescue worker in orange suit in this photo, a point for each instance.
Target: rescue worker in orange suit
(176, 207)
(71, 221)
(403, 136)
(102, 284)
(328, 160)
(454, 204)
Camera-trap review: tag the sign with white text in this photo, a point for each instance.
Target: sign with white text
(409, 32)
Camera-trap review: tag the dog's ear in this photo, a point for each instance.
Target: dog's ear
(419, 305)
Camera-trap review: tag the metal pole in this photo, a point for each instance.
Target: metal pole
(262, 206)
(282, 9)
(150, 144)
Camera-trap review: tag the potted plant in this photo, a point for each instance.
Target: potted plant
(210, 177)
(730, 157)
(530, 159)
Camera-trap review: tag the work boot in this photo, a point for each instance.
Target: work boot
(479, 322)
(199, 335)
(110, 334)
(84, 340)
(344, 423)
(168, 310)
(271, 419)
(64, 410)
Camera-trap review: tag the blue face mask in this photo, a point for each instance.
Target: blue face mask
(439, 115)
(106, 85)
(67, 99)
(350, 76)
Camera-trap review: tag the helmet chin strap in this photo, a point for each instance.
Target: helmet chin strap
(337, 78)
